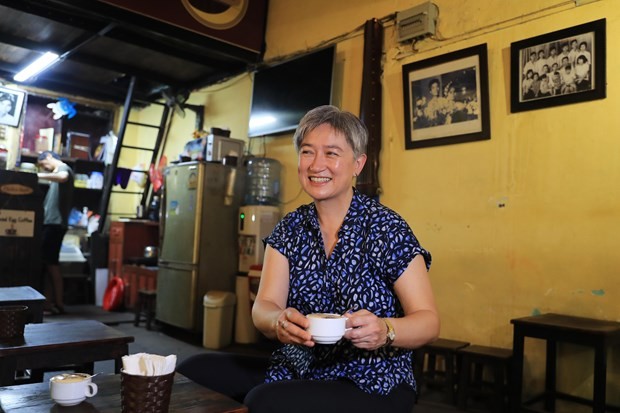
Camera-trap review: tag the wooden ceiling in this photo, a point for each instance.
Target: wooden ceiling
(104, 46)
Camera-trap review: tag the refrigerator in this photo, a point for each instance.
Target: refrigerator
(198, 245)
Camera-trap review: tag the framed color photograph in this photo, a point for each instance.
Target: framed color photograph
(11, 105)
(447, 99)
(558, 68)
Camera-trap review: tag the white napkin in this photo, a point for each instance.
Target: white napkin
(144, 364)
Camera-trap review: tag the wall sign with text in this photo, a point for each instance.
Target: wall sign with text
(16, 223)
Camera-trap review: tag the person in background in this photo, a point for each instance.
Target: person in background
(344, 253)
(535, 87)
(436, 105)
(545, 86)
(556, 83)
(553, 58)
(582, 74)
(564, 54)
(56, 206)
(526, 86)
(530, 64)
(572, 53)
(583, 51)
(542, 61)
(568, 80)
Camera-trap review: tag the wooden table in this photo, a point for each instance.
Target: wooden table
(24, 296)
(554, 328)
(187, 396)
(51, 345)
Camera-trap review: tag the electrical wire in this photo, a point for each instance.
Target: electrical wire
(239, 77)
(357, 31)
(517, 20)
(491, 28)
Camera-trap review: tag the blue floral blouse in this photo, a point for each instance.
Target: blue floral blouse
(375, 246)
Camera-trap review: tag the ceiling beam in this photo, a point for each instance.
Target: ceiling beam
(128, 70)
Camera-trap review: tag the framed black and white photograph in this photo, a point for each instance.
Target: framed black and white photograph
(558, 68)
(11, 106)
(447, 99)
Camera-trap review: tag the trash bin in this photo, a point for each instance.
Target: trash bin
(218, 319)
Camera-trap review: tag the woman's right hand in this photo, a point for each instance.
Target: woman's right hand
(290, 328)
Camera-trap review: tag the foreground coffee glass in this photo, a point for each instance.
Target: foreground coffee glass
(70, 389)
(326, 328)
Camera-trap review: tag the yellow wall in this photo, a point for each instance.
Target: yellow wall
(522, 223)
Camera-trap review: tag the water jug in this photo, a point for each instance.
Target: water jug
(262, 182)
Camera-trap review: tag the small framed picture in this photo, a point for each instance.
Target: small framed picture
(558, 68)
(447, 99)
(11, 105)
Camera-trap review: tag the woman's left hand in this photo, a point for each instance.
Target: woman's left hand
(366, 330)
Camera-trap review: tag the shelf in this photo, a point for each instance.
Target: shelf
(88, 190)
(94, 164)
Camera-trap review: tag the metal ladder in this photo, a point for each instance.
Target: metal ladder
(155, 150)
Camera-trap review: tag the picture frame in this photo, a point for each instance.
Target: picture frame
(558, 68)
(11, 105)
(446, 99)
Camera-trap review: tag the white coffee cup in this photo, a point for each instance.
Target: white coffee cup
(326, 328)
(69, 389)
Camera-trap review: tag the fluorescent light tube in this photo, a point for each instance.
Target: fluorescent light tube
(36, 67)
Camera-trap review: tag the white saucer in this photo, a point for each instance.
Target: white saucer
(326, 339)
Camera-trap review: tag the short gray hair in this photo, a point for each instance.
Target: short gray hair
(348, 124)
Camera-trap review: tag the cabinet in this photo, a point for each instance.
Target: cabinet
(127, 240)
(137, 278)
(21, 218)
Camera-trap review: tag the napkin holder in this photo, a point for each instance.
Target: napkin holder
(146, 394)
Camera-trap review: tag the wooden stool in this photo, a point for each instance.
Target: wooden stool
(145, 305)
(444, 377)
(479, 357)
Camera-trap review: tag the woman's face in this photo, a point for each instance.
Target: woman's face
(326, 164)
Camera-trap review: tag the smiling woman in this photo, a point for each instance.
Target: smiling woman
(342, 252)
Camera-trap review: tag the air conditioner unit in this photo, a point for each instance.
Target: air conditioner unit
(416, 22)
